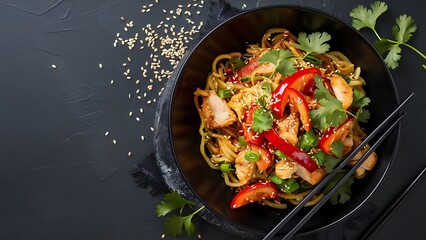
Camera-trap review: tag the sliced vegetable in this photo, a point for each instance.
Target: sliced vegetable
(245, 71)
(252, 156)
(291, 151)
(297, 81)
(265, 157)
(225, 167)
(254, 193)
(307, 141)
(280, 154)
(224, 93)
(333, 135)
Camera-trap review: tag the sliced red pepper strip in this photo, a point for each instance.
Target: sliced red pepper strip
(297, 81)
(332, 135)
(254, 193)
(301, 105)
(245, 71)
(265, 160)
(290, 151)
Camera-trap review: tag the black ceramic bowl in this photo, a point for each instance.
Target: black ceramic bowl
(204, 185)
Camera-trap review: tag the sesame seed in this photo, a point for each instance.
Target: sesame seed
(129, 154)
(106, 133)
(137, 119)
(130, 114)
(163, 235)
(53, 66)
(100, 65)
(152, 129)
(142, 137)
(114, 141)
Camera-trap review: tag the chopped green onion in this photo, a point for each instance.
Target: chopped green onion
(266, 87)
(236, 63)
(224, 93)
(275, 179)
(280, 154)
(225, 167)
(242, 142)
(252, 156)
(308, 141)
(291, 185)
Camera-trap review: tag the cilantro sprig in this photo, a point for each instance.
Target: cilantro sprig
(262, 120)
(402, 31)
(173, 225)
(281, 59)
(331, 112)
(343, 194)
(314, 42)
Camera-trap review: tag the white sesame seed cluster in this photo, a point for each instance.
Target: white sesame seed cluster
(163, 42)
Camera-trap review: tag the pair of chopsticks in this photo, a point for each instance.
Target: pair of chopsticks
(285, 221)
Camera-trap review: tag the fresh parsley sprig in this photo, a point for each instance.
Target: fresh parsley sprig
(405, 27)
(344, 193)
(173, 225)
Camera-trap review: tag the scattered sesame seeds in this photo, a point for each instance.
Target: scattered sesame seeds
(164, 45)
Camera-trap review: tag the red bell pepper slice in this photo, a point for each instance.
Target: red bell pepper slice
(291, 151)
(301, 105)
(254, 193)
(297, 81)
(265, 160)
(249, 134)
(245, 71)
(332, 135)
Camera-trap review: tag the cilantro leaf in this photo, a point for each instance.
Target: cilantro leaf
(281, 59)
(359, 99)
(337, 148)
(262, 120)
(314, 42)
(171, 202)
(173, 225)
(363, 115)
(331, 111)
(404, 28)
(363, 17)
(402, 31)
(343, 194)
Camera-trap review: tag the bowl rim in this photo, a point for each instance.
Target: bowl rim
(184, 62)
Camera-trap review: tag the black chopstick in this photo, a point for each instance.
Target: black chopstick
(299, 206)
(378, 223)
(317, 206)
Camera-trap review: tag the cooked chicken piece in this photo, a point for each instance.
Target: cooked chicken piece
(342, 90)
(264, 69)
(242, 101)
(285, 168)
(288, 127)
(311, 177)
(368, 164)
(216, 112)
(243, 168)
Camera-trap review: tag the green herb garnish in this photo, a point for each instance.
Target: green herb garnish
(173, 225)
(313, 43)
(281, 59)
(344, 193)
(262, 120)
(405, 27)
(331, 111)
